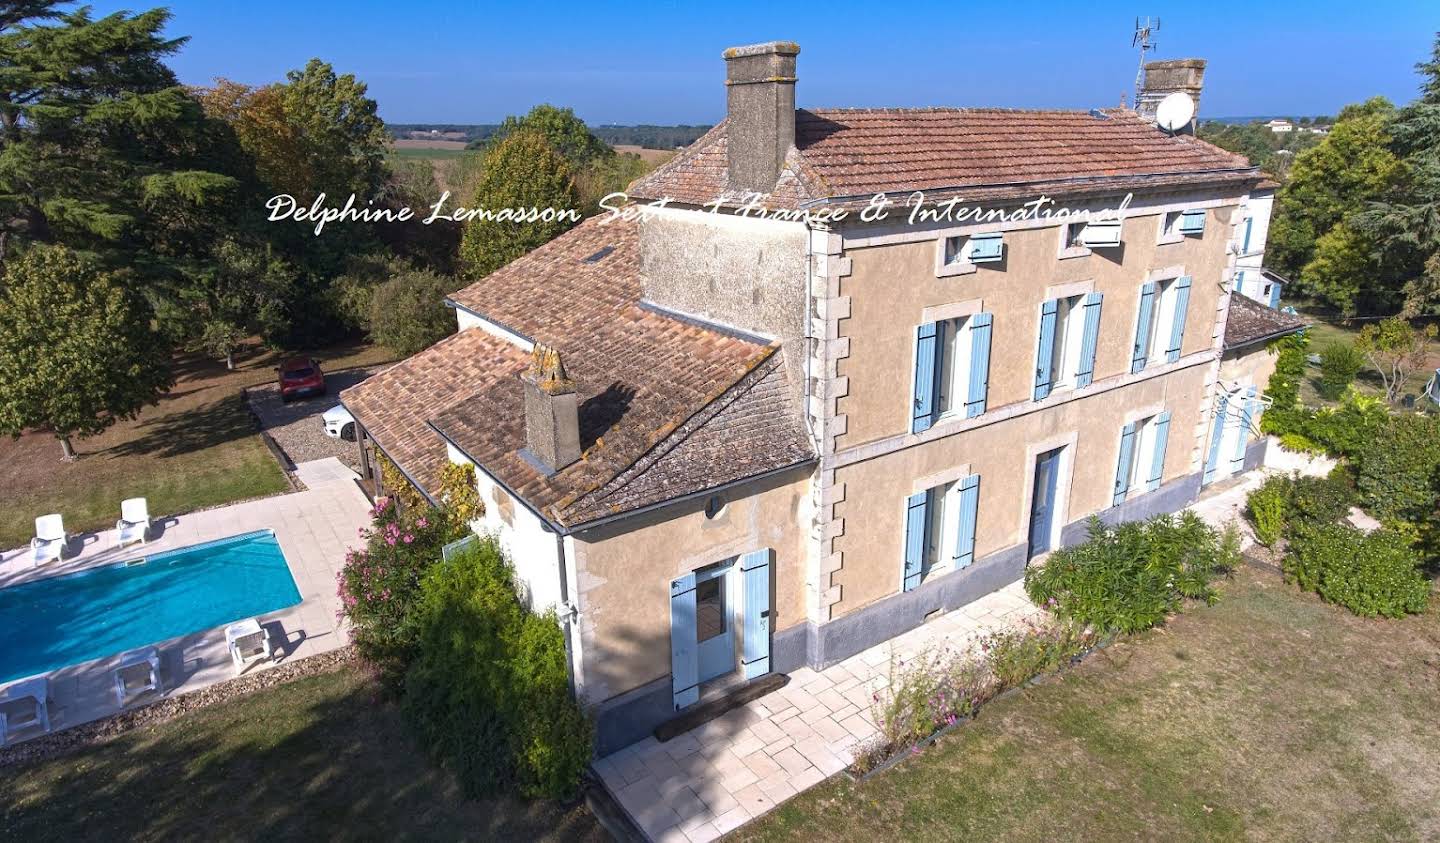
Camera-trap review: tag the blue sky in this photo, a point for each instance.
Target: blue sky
(470, 62)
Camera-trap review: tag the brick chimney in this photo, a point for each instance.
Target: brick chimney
(1163, 78)
(760, 104)
(552, 414)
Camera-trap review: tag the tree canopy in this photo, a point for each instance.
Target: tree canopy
(522, 171)
(77, 352)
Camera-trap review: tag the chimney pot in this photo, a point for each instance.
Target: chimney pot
(760, 108)
(1163, 78)
(552, 412)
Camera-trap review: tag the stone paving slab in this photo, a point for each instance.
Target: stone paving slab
(314, 529)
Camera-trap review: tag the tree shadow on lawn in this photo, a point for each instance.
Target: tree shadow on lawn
(341, 765)
(223, 420)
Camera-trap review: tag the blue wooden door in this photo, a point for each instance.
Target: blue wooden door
(714, 627)
(1042, 502)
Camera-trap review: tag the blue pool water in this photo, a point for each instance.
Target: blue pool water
(51, 623)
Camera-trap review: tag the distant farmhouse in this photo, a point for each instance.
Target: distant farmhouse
(722, 446)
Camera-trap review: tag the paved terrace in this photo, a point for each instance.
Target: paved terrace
(718, 776)
(314, 529)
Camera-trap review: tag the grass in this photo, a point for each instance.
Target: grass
(1268, 716)
(424, 154)
(1368, 382)
(320, 758)
(197, 448)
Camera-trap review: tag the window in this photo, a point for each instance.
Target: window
(1093, 235)
(952, 369)
(962, 252)
(940, 529)
(1142, 456)
(1069, 329)
(1160, 324)
(1074, 233)
(1181, 223)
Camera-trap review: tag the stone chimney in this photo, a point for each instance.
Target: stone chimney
(1163, 78)
(552, 413)
(760, 104)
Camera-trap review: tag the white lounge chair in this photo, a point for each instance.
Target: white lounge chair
(50, 539)
(24, 704)
(134, 523)
(248, 641)
(137, 672)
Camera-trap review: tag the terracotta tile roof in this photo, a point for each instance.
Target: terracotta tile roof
(395, 404)
(844, 154)
(641, 375)
(1249, 322)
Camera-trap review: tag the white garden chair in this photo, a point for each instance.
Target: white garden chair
(248, 641)
(50, 539)
(137, 673)
(134, 523)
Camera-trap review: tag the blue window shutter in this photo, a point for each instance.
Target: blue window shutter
(684, 661)
(926, 349)
(1275, 295)
(1142, 327)
(986, 247)
(1087, 342)
(1249, 224)
(1157, 463)
(969, 509)
(980, 325)
(1212, 461)
(1043, 375)
(1122, 470)
(917, 522)
(1192, 222)
(1240, 281)
(1177, 329)
(1238, 461)
(755, 568)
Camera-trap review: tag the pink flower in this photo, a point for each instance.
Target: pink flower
(423, 522)
(390, 540)
(408, 538)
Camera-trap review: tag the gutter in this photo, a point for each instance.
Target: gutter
(451, 303)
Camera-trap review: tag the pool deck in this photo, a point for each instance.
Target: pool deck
(314, 528)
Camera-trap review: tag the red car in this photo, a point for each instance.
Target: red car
(300, 377)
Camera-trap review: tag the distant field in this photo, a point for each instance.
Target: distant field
(429, 144)
(654, 156)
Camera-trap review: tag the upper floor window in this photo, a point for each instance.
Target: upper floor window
(1181, 223)
(1142, 456)
(940, 529)
(952, 369)
(1160, 323)
(1069, 330)
(1098, 234)
(961, 253)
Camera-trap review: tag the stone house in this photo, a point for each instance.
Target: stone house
(723, 443)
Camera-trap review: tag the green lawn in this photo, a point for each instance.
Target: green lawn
(1269, 716)
(319, 758)
(197, 448)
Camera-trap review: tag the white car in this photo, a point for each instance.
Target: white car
(339, 424)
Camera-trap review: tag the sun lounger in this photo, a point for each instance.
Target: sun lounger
(248, 641)
(24, 704)
(134, 523)
(137, 673)
(50, 539)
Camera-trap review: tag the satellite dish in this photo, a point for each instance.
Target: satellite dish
(1175, 112)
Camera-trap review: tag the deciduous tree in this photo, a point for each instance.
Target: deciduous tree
(1396, 349)
(522, 171)
(77, 350)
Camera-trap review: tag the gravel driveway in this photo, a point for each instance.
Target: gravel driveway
(296, 427)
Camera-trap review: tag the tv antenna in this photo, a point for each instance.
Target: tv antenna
(1145, 30)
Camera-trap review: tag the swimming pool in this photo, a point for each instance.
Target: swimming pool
(59, 621)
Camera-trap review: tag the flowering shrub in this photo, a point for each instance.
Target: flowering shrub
(379, 583)
(1368, 573)
(935, 690)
